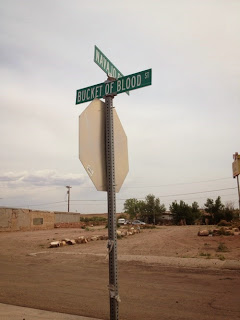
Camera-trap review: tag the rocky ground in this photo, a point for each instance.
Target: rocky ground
(165, 273)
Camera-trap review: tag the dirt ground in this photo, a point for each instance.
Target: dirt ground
(164, 273)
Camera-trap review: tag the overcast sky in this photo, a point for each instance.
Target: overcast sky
(182, 130)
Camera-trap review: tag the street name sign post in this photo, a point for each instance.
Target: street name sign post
(236, 173)
(111, 88)
(106, 65)
(108, 90)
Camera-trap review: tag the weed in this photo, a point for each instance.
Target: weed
(221, 257)
(224, 223)
(148, 226)
(208, 255)
(222, 247)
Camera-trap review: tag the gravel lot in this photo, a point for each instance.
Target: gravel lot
(164, 273)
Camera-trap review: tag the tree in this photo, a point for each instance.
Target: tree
(180, 212)
(151, 209)
(195, 211)
(184, 213)
(216, 209)
(131, 206)
(229, 211)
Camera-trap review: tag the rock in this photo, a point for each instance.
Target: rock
(203, 233)
(55, 244)
(62, 243)
(71, 242)
(81, 239)
(119, 233)
(216, 232)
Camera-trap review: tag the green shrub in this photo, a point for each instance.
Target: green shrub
(148, 226)
(222, 247)
(221, 257)
(93, 219)
(224, 223)
(208, 255)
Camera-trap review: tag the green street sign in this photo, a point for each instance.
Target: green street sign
(106, 65)
(127, 83)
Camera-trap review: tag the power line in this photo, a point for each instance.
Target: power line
(183, 194)
(36, 205)
(101, 200)
(177, 184)
(170, 195)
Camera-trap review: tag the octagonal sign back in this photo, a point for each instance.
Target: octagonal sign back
(92, 148)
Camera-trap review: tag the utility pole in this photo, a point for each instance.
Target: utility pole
(68, 193)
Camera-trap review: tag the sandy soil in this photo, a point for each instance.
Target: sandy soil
(166, 241)
(164, 273)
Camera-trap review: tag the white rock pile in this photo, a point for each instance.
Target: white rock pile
(84, 239)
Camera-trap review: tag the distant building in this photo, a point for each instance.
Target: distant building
(167, 216)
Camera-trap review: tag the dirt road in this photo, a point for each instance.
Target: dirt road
(74, 279)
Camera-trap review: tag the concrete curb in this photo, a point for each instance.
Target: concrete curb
(9, 312)
(163, 260)
(184, 262)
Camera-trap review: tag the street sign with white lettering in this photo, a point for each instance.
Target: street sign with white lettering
(106, 65)
(127, 83)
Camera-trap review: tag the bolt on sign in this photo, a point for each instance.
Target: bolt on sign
(127, 83)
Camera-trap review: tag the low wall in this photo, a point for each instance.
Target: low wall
(63, 217)
(25, 219)
(12, 219)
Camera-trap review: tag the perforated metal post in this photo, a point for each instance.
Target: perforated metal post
(112, 242)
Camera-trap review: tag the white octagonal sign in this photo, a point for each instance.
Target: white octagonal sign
(92, 148)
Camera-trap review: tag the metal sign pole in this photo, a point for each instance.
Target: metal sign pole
(112, 237)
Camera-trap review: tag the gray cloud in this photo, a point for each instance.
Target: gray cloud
(42, 178)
